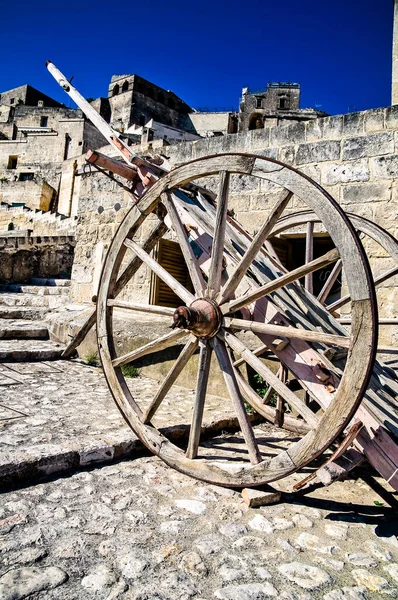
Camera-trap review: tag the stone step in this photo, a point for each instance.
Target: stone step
(33, 300)
(23, 312)
(29, 350)
(20, 329)
(38, 290)
(49, 281)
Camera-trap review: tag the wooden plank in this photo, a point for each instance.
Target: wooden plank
(227, 369)
(200, 397)
(154, 346)
(280, 282)
(291, 398)
(156, 268)
(171, 378)
(309, 255)
(241, 268)
(288, 332)
(217, 250)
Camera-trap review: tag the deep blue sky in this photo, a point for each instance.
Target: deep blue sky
(205, 51)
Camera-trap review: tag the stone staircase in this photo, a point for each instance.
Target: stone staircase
(40, 223)
(24, 335)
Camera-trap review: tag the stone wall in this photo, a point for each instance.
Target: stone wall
(353, 156)
(33, 194)
(25, 257)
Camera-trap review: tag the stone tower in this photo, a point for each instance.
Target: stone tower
(394, 87)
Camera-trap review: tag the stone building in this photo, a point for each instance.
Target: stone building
(37, 134)
(277, 104)
(134, 101)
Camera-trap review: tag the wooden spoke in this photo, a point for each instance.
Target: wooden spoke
(325, 291)
(378, 280)
(279, 387)
(290, 423)
(228, 372)
(171, 377)
(146, 308)
(201, 388)
(81, 334)
(130, 270)
(155, 346)
(288, 332)
(276, 284)
(217, 250)
(169, 280)
(309, 255)
(195, 273)
(280, 403)
(251, 252)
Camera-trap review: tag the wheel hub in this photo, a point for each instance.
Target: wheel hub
(203, 318)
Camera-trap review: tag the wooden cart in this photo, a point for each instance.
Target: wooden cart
(239, 284)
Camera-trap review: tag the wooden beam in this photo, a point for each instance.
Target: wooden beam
(309, 255)
(289, 332)
(280, 282)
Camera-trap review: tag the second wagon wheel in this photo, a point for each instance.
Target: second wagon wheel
(239, 286)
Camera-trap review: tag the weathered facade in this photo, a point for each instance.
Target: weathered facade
(277, 104)
(354, 156)
(134, 101)
(35, 140)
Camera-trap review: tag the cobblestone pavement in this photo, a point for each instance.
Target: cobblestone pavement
(60, 415)
(139, 530)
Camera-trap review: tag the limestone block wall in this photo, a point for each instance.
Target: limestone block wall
(34, 194)
(353, 156)
(25, 257)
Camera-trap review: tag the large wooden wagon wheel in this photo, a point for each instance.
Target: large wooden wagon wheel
(238, 286)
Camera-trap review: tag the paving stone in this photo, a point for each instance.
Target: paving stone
(98, 578)
(210, 544)
(374, 583)
(20, 583)
(378, 551)
(192, 506)
(337, 530)
(309, 541)
(280, 524)
(336, 565)
(346, 593)
(306, 576)
(302, 521)
(132, 567)
(260, 523)
(361, 560)
(232, 530)
(392, 571)
(251, 591)
(191, 563)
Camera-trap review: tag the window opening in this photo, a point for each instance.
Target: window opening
(12, 162)
(115, 90)
(43, 121)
